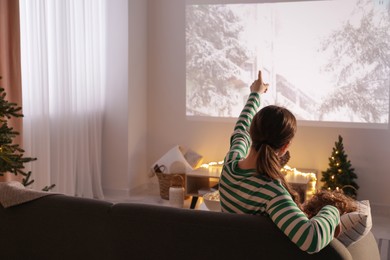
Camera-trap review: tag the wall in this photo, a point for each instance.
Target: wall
(124, 134)
(137, 119)
(115, 129)
(367, 149)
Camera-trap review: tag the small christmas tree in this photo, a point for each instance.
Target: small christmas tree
(11, 155)
(340, 175)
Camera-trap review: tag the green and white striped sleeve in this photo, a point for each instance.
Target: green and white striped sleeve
(240, 139)
(310, 235)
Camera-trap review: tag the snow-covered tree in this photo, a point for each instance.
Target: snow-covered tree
(360, 64)
(215, 58)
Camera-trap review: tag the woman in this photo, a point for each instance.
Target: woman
(251, 182)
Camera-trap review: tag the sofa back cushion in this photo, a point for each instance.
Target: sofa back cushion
(158, 232)
(54, 227)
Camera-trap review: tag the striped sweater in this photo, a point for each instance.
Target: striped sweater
(247, 192)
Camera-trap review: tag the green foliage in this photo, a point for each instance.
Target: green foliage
(340, 174)
(12, 155)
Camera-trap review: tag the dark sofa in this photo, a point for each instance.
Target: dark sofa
(63, 227)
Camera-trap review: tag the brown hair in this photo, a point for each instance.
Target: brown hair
(322, 198)
(272, 128)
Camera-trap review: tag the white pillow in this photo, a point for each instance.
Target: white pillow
(355, 225)
(173, 162)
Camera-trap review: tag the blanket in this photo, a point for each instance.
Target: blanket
(14, 193)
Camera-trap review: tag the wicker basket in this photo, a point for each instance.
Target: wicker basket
(164, 181)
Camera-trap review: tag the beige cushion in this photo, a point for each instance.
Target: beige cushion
(356, 225)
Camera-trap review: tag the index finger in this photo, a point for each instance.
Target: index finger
(259, 75)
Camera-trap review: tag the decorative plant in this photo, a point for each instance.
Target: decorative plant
(340, 175)
(12, 158)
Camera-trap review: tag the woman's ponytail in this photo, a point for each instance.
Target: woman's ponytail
(272, 128)
(268, 163)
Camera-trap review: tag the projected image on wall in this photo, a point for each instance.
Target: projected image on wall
(325, 60)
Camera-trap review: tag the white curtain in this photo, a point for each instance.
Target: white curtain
(63, 83)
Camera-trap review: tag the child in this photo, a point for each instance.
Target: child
(251, 181)
(324, 197)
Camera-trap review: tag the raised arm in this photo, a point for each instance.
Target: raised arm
(240, 140)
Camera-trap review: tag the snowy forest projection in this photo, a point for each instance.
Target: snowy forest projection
(324, 60)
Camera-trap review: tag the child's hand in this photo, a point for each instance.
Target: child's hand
(259, 86)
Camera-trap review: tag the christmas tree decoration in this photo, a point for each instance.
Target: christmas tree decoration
(12, 158)
(340, 175)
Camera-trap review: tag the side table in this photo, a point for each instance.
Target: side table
(202, 181)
